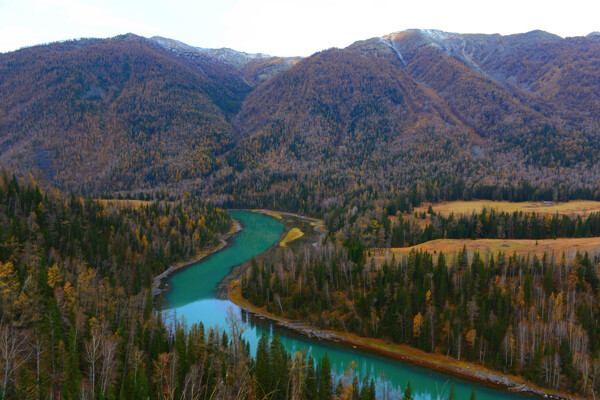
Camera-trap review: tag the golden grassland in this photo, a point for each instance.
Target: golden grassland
(123, 203)
(522, 247)
(439, 362)
(576, 207)
(293, 234)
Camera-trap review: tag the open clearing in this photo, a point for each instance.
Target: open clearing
(122, 203)
(578, 207)
(522, 247)
(293, 234)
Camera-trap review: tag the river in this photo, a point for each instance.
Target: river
(191, 294)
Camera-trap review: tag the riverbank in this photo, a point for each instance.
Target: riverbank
(318, 224)
(437, 362)
(157, 286)
(314, 234)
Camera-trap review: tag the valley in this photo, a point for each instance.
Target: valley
(417, 210)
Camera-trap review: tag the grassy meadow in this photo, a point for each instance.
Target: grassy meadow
(577, 207)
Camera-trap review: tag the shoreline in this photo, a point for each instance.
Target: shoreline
(461, 369)
(157, 282)
(317, 225)
(230, 289)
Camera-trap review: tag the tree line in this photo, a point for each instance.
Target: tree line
(491, 224)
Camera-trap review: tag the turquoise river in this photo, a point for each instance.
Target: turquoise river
(191, 294)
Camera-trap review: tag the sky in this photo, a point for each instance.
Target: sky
(282, 27)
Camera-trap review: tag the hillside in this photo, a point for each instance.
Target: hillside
(420, 107)
(120, 113)
(440, 110)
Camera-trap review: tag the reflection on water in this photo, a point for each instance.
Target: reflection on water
(191, 296)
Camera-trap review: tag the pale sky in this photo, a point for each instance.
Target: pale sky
(282, 27)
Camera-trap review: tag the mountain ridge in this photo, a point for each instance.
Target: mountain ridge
(132, 113)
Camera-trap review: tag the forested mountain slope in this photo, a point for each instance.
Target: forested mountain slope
(419, 107)
(122, 113)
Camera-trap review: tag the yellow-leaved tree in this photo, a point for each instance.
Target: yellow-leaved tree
(417, 325)
(9, 289)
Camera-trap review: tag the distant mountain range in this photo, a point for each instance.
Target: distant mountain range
(131, 113)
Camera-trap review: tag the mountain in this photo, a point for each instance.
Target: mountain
(256, 68)
(536, 63)
(419, 106)
(334, 104)
(119, 113)
(431, 104)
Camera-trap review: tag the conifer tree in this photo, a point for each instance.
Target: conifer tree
(262, 367)
(325, 384)
(309, 390)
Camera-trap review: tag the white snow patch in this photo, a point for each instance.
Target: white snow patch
(436, 34)
(389, 43)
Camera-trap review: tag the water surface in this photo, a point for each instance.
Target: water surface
(191, 295)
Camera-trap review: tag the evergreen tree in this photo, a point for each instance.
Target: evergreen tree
(262, 367)
(309, 390)
(367, 391)
(278, 368)
(372, 392)
(325, 383)
(355, 390)
(339, 389)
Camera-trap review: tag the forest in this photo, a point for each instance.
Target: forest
(77, 318)
(143, 115)
(529, 316)
(491, 224)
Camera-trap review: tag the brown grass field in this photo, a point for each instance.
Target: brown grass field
(522, 247)
(577, 207)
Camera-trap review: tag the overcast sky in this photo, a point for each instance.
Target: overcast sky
(281, 27)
